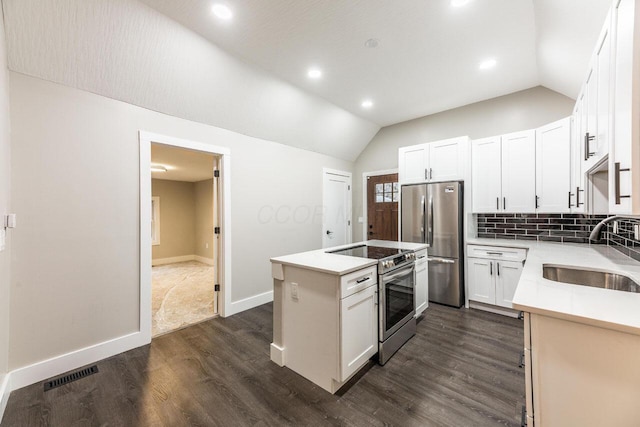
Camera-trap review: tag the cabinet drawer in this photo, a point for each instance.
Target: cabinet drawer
(497, 252)
(358, 280)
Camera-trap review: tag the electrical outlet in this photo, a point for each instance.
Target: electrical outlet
(615, 227)
(294, 291)
(206, 246)
(636, 231)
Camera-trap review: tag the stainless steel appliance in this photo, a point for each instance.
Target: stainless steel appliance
(396, 295)
(432, 214)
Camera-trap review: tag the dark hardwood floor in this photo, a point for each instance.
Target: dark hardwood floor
(461, 369)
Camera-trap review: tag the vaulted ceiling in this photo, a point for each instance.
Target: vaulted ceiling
(428, 52)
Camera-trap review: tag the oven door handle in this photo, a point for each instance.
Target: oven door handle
(441, 260)
(399, 273)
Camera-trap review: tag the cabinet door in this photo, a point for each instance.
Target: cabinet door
(519, 172)
(481, 283)
(589, 118)
(577, 154)
(553, 167)
(604, 86)
(507, 275)
(446, 159)
(486, 175)
(412, 163)
(422, 284)
(358, 330)
(620, 183)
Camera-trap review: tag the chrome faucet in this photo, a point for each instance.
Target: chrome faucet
(595, 236)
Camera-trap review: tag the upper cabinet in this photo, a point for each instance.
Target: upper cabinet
(486, 178)
(626, 110)
(433, 162)
(553, 172)
(519, 172)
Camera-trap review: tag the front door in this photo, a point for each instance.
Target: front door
(336, 219)
(383, 193)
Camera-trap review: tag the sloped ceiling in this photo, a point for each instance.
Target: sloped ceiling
(249, 74)
(428, 52)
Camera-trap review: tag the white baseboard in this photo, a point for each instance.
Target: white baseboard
(277, 354)
(204, 260)
(40, 371)
(5, 390)
(494, 309)
(163, 261)
(248, 303)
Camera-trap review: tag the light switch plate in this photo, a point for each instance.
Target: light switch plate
(294, 291)
(615, 227)
(636, 231)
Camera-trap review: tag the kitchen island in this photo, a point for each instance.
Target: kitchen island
(325, 312)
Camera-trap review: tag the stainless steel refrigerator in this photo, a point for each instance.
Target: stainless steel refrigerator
(433, 213)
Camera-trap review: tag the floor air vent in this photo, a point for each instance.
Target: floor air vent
(74, 376)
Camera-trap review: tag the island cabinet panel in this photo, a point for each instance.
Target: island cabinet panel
(581, 375)
(329, 323)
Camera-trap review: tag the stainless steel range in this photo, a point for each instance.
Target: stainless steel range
(396, 295)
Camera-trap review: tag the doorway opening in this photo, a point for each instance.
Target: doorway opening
(183, 214)
(185, 276)
(381, 194)
(336, 212)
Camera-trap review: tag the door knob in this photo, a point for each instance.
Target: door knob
(329, 233)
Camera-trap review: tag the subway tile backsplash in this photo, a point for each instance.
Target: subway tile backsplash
(566, 228)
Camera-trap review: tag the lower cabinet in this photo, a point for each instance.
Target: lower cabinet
(358, 330)
(493, 273)
(422, 282)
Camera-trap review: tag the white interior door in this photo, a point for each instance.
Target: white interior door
(336, 220)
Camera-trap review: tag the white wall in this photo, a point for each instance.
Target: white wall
(126, 50)
(518, 111)
(75, 161)
(5, 181)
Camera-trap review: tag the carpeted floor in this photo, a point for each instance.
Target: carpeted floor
(182, 294)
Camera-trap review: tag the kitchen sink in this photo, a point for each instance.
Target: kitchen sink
(594, 278)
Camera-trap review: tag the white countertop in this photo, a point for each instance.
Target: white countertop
(320, 260)
(595, 306)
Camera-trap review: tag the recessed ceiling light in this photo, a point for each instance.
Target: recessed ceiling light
(314, 73)
(367, 103)
(222, 11)
(487, 64)
(459, 3)
(158, 168)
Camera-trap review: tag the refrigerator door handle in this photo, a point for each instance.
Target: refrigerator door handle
(441, 260)
(424, 207)
(430, 240)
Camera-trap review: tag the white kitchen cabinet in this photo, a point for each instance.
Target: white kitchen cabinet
(358, 330)
(553, 173)
(604, 85)
(493, 273)
(622, 165)
(422, 282)
(519, 172)
(503, 172)
(578, 204)
(433, 162)
(486, 174)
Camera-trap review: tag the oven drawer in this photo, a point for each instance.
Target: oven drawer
(358, 280)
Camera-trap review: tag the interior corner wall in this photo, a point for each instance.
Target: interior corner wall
(522, 110)
(204, 219)
(177, 218)
(75, 278)
(5, 193)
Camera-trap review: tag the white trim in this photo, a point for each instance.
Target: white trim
(155, 201)
(205, 260)
(40, 371)
(277, 354)
(365, 216)
(251, 302)
(5, 391)
(224, 249)
(349, 176)
(172, 260)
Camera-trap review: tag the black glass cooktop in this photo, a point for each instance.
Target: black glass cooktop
(372, 252)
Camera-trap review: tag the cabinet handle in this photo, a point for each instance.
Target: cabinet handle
(587, 139)
(498, 268)
(364, 279)
(490, 268)
(537, 198)
(495, 253)
(504, 203)
(430, 173)
(569, 204)
(497, 203)
(617, 182)
(578, 190)
(426, 174)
